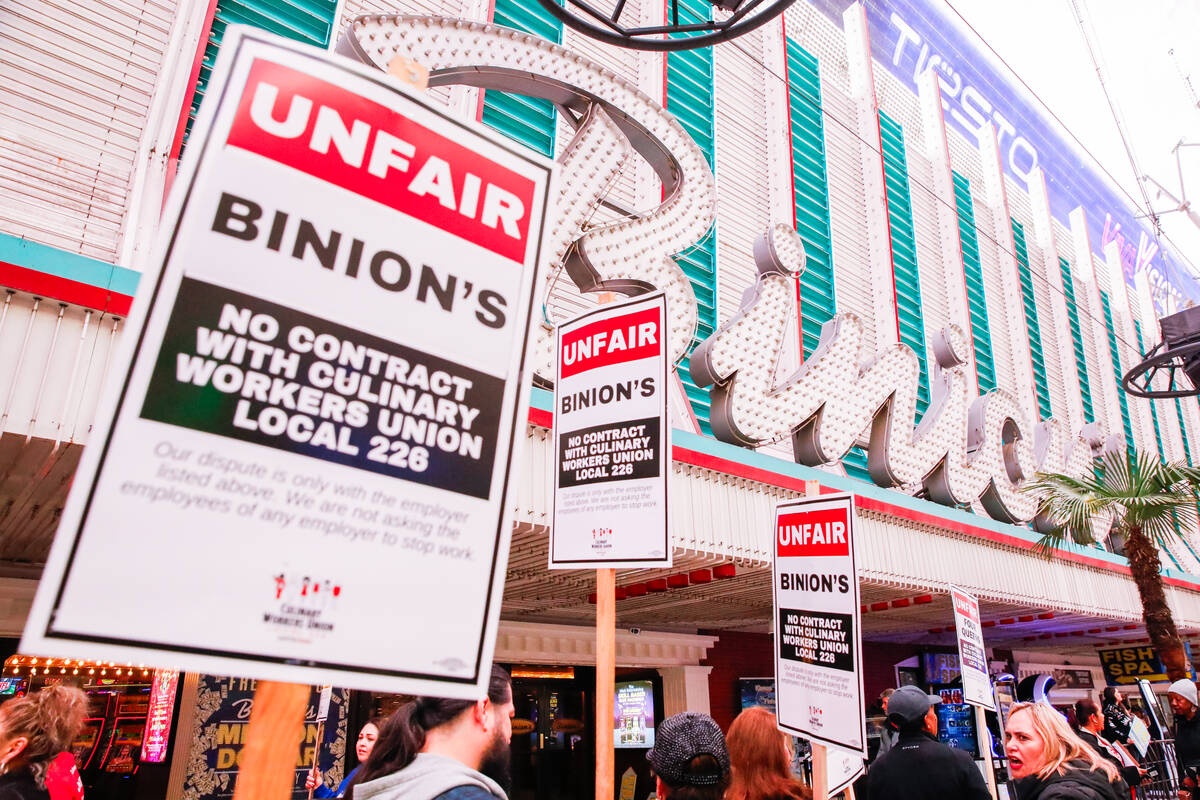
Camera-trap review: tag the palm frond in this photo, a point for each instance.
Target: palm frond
(1135, 490)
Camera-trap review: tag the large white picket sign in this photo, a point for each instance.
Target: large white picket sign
(304, 468)
(612, 438)
(818, 656)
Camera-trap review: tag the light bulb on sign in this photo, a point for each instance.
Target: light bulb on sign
(963, 449)
(629, 256)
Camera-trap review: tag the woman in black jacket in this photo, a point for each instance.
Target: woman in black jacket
(1117, 716)
(1049, 762)
(33, 730)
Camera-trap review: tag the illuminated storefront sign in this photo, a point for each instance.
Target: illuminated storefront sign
(158, 718)
(966, 448)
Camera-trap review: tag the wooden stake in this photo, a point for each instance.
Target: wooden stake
(272, 739)
(606, 669)
(317, 755)
(985, 746)
(820, 771)
(820, 763)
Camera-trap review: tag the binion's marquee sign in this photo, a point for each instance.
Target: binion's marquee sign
(965, 449)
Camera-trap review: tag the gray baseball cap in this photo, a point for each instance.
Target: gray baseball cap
(910, 704)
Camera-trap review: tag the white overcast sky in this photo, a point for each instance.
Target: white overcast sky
(1041, 41)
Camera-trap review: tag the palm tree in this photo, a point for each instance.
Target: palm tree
(1145, 500)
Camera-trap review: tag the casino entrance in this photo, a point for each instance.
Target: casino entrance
(553, 744)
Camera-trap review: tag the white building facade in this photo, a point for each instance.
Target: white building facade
(907, 223)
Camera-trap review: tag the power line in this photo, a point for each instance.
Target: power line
(1096, 315)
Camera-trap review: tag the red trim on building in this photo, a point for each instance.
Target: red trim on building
(52, 287)
(197, 62)
(541, 417)
(792, 172)
(727, 466)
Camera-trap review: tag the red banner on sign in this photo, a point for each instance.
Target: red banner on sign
(371, 150)
(813, 533)
(614, 340)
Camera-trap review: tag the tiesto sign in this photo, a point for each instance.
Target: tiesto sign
(965, 449)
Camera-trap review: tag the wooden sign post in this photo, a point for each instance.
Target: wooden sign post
(820, 763)
(985, 747)
(606, 668)
(820, 772)
(268, 768)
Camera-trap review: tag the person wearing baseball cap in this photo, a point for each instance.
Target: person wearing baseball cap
(689, 758)
(919, 767)
(1182, 698)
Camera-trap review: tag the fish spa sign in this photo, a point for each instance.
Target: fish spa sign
(966, 448)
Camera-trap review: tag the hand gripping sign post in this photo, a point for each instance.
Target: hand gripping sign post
(818, 657)
(972, 661)
(321, 391)
(612, 443)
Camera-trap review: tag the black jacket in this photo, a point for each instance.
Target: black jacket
(1187, 741)
(19, 785)
(1130, 775)
(919, 767)
(1117, 720)
(1078, 783)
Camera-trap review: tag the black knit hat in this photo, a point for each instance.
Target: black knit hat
(680, 739)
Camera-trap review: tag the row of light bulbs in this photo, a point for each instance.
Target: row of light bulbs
(76, 667)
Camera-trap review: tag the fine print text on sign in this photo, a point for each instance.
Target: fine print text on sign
(972, 656)
(612, 438)
(818, 664)
(320, 395)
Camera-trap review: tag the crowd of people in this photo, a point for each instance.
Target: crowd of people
(438, 749)
(442, 749)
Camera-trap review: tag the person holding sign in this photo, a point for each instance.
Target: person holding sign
(1091, 725)
(919, 767)
(1049, 762)
(362, 749)
(436, 748)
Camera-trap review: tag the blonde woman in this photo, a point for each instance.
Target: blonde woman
(1049, 762)
(33, 730)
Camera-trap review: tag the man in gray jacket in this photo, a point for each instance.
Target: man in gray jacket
(439, 749)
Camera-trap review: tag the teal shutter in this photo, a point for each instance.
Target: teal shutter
(308, 21)
(690, 99)
(528, 120)
(904, 250)
(1089, 413)
(810, 192)
(810, 195)
(985, 368)
(1137, 327)
(1116, 365)
(1031, 321)
(1187, 451)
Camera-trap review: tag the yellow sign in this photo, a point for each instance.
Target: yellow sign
(628, 784)
(1128, 665)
